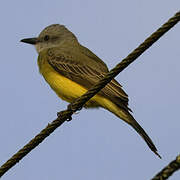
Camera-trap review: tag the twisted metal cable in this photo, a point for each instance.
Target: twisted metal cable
(78, 104)
(168, 170)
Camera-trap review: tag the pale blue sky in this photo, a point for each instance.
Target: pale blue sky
(95, 144)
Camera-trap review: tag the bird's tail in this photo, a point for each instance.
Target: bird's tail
(142, 133)
(128, 118)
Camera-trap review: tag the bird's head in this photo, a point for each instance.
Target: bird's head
(52, 36)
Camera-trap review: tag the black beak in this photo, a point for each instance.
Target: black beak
(30, 40)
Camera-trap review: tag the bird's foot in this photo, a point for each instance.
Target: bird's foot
(72, 108)
(60, 115)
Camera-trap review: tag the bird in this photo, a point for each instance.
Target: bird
(71, 69)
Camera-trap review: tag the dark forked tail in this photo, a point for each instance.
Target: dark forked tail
(144, 135)
(128, 118)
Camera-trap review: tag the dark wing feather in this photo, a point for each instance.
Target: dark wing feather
(86, 74)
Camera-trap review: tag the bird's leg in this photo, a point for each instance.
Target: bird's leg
(72, 108)
(60, 115)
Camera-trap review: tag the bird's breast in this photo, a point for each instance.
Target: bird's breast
(65, 88)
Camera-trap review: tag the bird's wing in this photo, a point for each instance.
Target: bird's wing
(93, 57)
(86, 73)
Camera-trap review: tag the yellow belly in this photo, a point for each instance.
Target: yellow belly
(65, 88)
(69, 90)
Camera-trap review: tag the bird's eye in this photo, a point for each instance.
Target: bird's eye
(46, 37)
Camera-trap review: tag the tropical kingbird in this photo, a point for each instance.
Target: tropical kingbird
(71, 69)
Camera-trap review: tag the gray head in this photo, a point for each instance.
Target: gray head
(51, 36)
